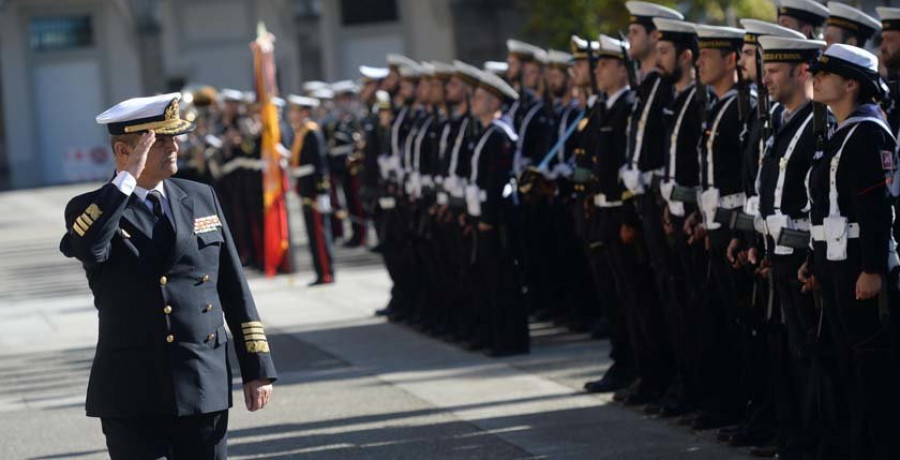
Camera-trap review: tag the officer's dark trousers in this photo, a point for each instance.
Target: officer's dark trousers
(790, 355)
(318, 231)
(398, 259)
(201, 437)
(863, 424)
(503, 318)
(351, 188)
(612, 264)
(687, 282)
(725, 341)
(571, 283)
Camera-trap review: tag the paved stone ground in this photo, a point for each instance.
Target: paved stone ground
(352, 386)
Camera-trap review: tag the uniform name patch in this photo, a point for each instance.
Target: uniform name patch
(887, 160)
(206, 224)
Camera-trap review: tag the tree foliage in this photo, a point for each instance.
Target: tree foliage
(554, 21)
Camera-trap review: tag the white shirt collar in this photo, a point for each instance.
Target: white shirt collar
(142, 193)
(615, 96)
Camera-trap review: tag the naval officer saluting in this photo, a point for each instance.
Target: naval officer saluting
(165, 276)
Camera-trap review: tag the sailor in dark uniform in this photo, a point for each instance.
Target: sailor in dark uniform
(166, 278)
(372, 79)
(721, 198)
(641, 173)
(849, 25)
(309, 166)
(503, 319)
(344, 163)
(602, 154)
(850, 218)
(676, 56)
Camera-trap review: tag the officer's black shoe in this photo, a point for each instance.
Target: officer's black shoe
(654, 408)
(706, 421)
(676, 409)
(386, 311)
(353, 242)
(725, 434)
(322, 282)
(764, 452)
(641, 397)
(607, 384)
(687, 419)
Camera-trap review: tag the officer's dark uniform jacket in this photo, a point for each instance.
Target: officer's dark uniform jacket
(687, 168)
(310, 161)
(564, 116)
(372, 149)
(161, 348)
(608, 147)
(863, 196)
(726, 146)
(646, 143)
(493, 161)
(794, 198)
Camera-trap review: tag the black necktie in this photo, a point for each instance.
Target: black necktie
(163, 233)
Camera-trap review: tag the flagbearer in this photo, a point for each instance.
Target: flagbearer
(166, 277)
(309, 166)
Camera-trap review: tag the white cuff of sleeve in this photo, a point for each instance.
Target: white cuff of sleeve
(125, 182)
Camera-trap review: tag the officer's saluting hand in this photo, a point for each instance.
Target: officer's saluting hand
(166, 276)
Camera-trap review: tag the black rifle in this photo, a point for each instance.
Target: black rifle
(762, 102)
(629, 64)
(592, 64)
(743, 91)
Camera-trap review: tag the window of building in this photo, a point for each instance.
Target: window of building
(55, 33)
(360, 12)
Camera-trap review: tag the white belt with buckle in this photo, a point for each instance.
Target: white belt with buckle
(818, 231)
(600, 202)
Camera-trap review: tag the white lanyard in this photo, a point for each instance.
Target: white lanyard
(523, 129)
(833, 210)
(395, 132)
(783, 163)
(642, 124)
(442, 147)
(477, 153)
(457, 144)
(710, 169)
(419, 138)
(673, 141)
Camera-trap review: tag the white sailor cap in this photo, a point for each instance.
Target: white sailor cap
(397, 61)
(498, 86)
(525, 51)
(611, 47)
(755, 28)
(279, 102)
(442, 70)
(644, 12)
(370, 73)
(467, 73)
(231, 95)
(852, 20)
(303, 101)
(726, 38)
(427, 69)
(676, 31)
(137, 115)
(559, 59)
(410, 72)
(890, 17)
(808, 11)
(854, 63)
(496, 67)
(344, 87)
(249, 97)
(323, 94)
(790, 49)
(314, 85)
(579, 47)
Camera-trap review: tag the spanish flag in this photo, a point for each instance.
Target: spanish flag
(276, 237)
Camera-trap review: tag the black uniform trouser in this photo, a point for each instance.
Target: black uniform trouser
(790, 353)
(201, 437)
(318, 231)
(397, 257)
(726, 342)
(863, 423)
(503, 319)
(687, 282)
(613, 265)
(572, 282)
